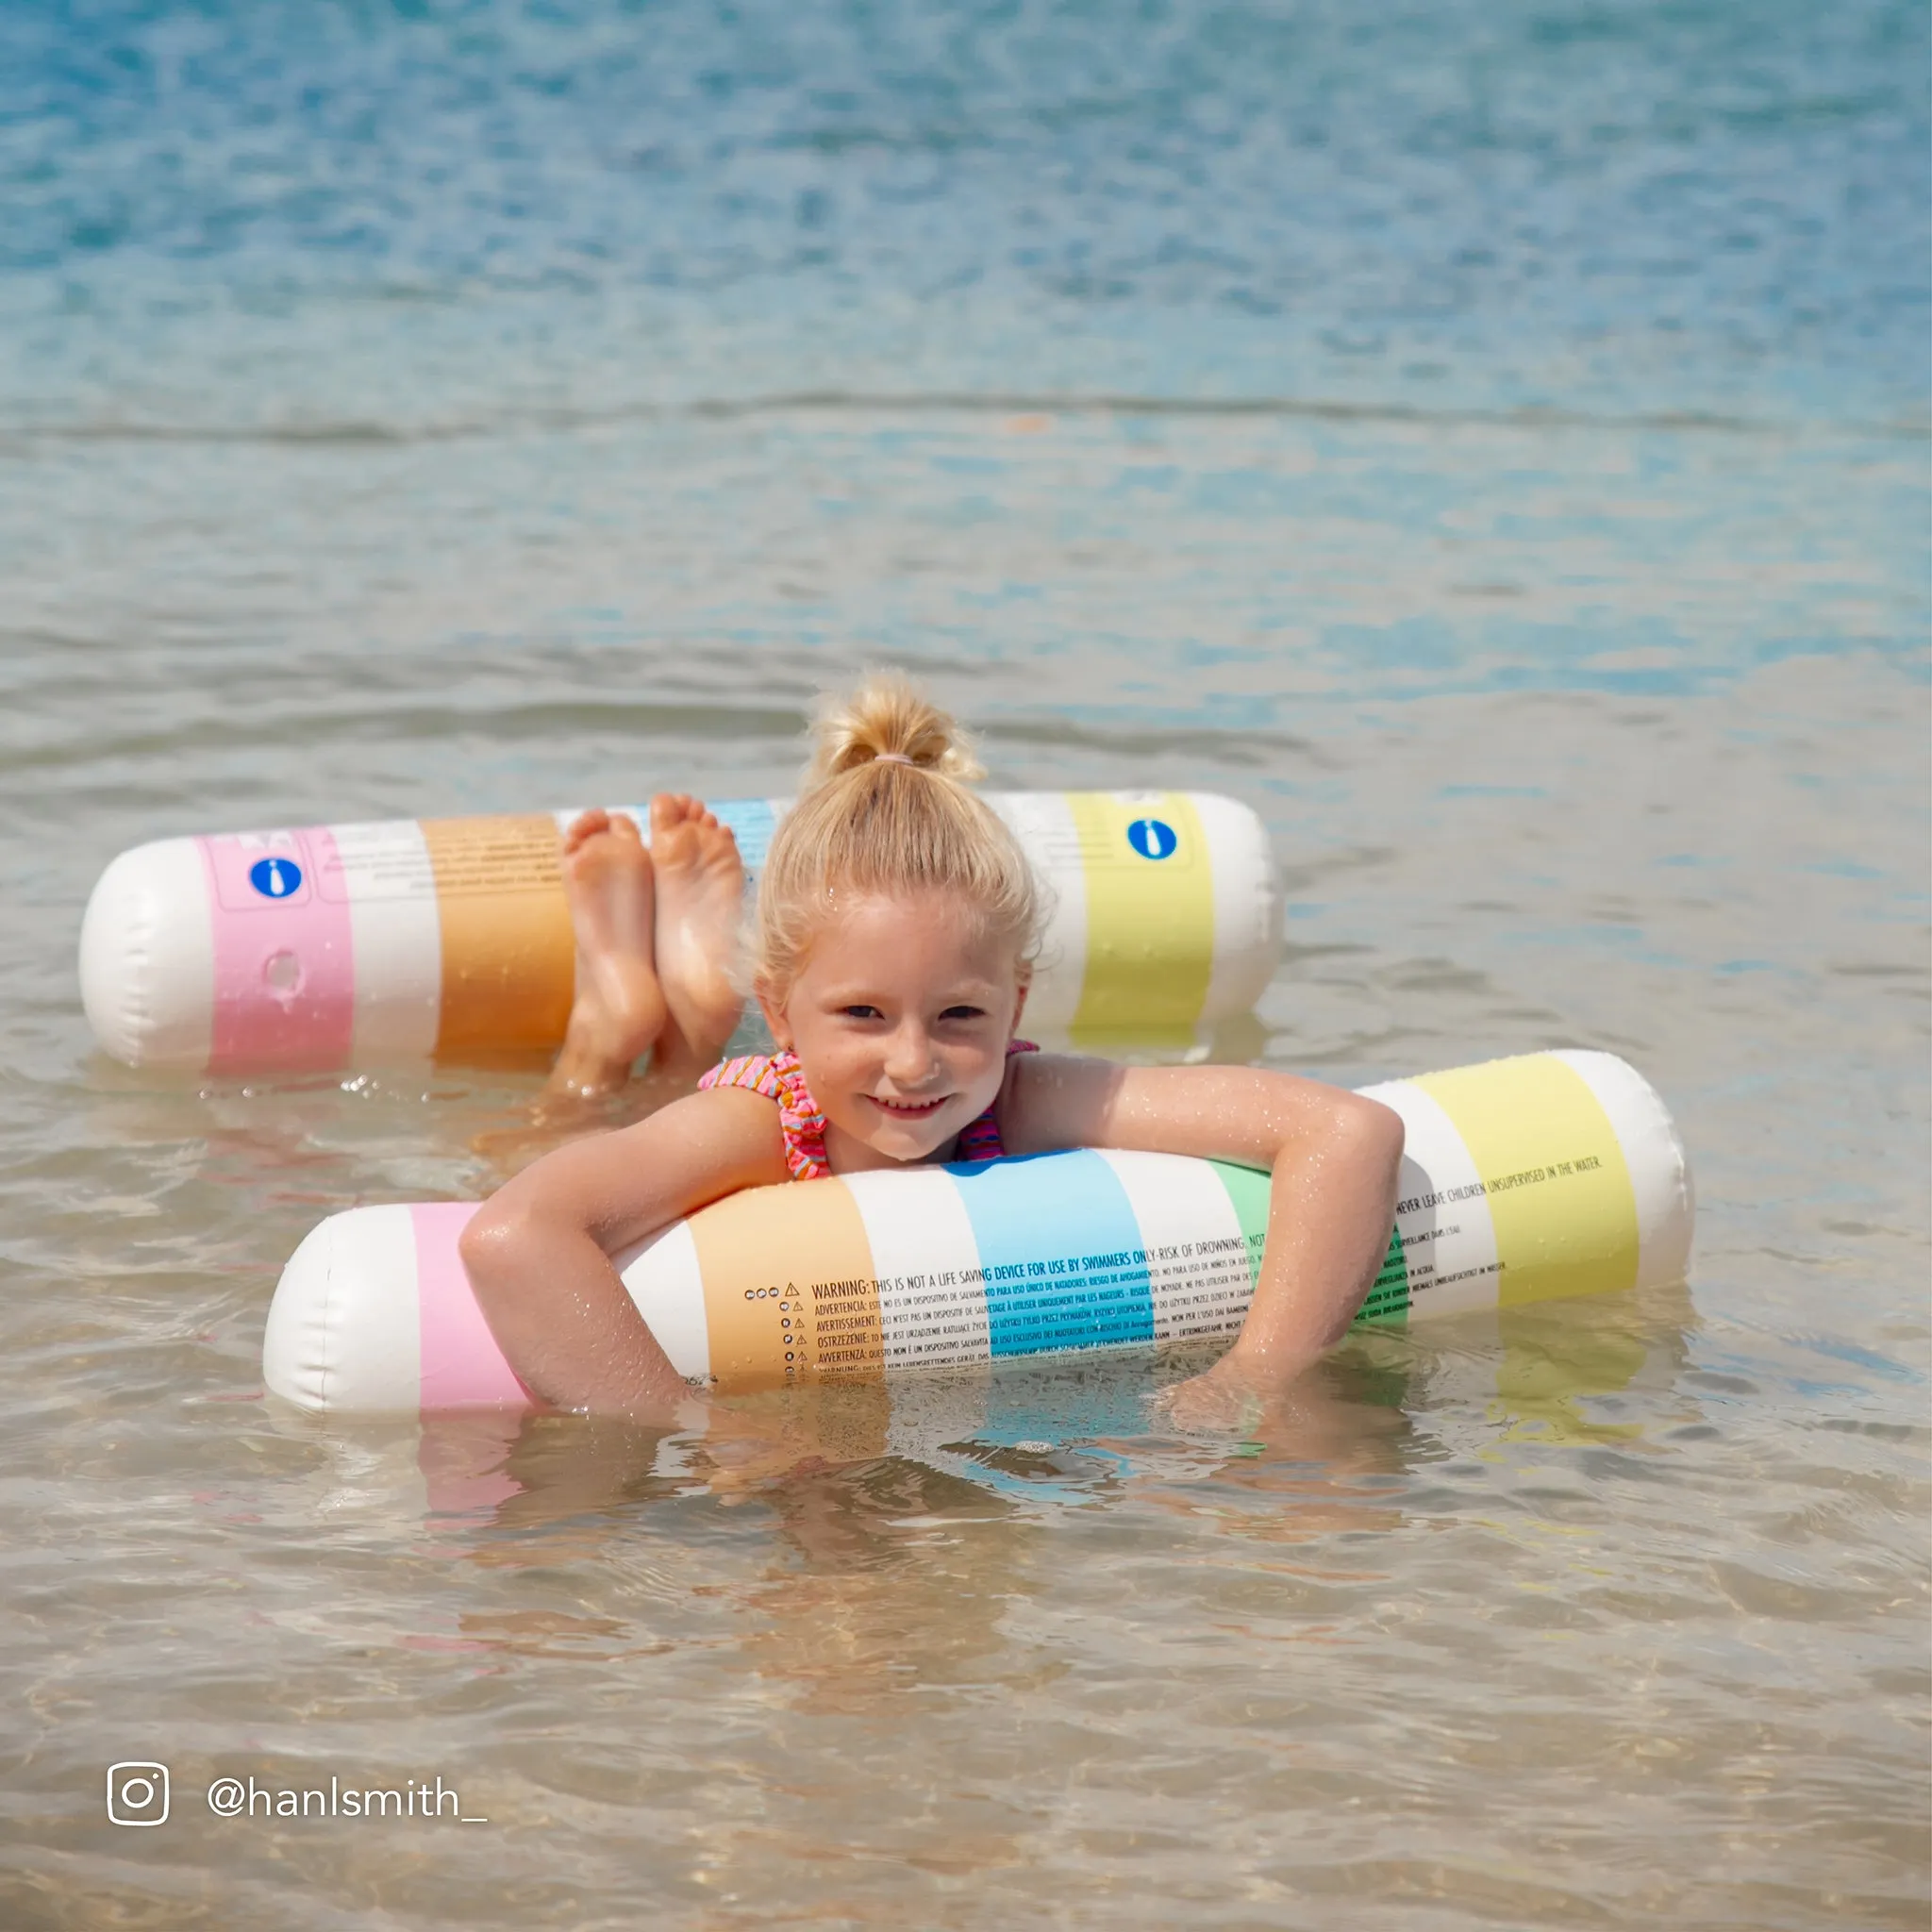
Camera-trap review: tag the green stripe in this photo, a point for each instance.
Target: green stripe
(1248, 1188)
(1388, 1302)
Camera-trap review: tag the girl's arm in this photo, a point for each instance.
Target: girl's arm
(1333, 1154)
(538, 1250)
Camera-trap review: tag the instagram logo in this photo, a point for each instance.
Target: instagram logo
(136, 1793)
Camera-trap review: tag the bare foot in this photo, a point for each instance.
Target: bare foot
(700, 899)
(620, 1008)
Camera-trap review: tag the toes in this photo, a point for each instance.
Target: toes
(587, 824)
(672, 808)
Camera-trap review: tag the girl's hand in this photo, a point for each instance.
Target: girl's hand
(1334, 1158)
(1223, 1401)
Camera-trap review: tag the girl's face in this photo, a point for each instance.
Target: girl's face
(899, 1017)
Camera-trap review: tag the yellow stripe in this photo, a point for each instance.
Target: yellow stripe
(1543, 1377)
(1560, 1191)
(509, 955)
(1150, 922)
(816, 1322)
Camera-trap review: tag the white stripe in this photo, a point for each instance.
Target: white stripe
(668, 1288)
(932, 1301)
(1247, 905)
(1042, 821)
(1449, 1246)
(1202, 1284)
(395, 929)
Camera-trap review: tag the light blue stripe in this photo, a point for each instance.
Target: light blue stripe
(1060, 1247)
(752, 822)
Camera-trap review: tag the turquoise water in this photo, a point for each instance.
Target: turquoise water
(1491, 441)
(355, 218)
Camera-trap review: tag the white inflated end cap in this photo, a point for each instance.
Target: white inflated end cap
(1654, 1151)
(147, 957)
(294, 1343)
(344, 1327)
(1248, 905)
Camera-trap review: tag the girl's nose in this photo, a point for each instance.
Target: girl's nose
(909, 1057)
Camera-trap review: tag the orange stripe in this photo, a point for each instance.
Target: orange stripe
(816, 1322)
(509, 957)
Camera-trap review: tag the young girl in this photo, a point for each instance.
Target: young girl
(896, 927)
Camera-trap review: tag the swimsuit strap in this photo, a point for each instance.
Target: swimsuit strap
(980, 1139)
(778, 1076)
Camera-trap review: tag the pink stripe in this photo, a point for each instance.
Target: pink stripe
(462, 1366)
(462, 1458)
(285, 962)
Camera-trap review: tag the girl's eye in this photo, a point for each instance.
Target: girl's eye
(860, 1012)
(964, 1013)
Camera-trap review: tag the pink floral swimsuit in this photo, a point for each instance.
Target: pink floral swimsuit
(778, 1076)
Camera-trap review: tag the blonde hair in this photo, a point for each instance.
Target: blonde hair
(887, 810)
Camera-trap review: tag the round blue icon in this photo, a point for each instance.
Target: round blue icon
(1153, 838)
(274, 878)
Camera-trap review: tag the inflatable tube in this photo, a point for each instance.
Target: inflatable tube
(1053, 1434)
(1523, 1181)
(336, 946)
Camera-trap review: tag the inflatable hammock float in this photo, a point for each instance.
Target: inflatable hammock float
(330, 946)
(1523, 1181)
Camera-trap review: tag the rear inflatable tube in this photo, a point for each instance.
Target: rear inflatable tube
(332, 947)
(1523, 1181)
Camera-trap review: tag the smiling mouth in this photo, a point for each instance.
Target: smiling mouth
(908, 1109)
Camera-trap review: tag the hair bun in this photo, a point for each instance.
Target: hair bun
(858, 830)
(886, 718)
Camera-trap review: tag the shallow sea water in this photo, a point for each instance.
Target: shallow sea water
(1491, 441)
